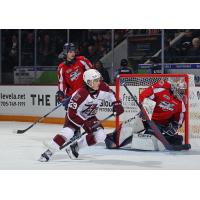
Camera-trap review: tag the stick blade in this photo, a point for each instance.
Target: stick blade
(20, 131)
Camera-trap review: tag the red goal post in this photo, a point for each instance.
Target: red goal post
(136, 83)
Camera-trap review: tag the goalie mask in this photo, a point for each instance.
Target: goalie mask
(92, 78)
(178, 88)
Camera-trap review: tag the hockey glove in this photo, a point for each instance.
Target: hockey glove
(60, 96)
(117, 108)
(91, 126)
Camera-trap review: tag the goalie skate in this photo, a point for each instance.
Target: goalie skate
(72, 150)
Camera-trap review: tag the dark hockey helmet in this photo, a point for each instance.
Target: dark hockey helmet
(68, 47)
(124, 62)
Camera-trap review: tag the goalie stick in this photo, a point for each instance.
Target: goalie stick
(154, 127)
(79, 136)
(40, 119)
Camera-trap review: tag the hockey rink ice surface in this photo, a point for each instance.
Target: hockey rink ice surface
(21, 152)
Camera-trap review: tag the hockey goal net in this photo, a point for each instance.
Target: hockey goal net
(138, 82)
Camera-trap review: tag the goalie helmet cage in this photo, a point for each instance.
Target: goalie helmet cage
(138, 82)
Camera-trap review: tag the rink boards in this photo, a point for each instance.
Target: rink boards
(27, 103)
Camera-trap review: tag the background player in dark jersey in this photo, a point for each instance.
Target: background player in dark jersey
(123, 69)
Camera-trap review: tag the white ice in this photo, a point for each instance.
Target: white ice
(21, 152)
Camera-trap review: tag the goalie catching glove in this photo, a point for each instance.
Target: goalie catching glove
(117, 108)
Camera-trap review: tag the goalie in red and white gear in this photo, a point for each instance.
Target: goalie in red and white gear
(81, 112)
(164, 100)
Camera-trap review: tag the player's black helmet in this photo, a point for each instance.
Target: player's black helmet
(68, 47)
(124, 62)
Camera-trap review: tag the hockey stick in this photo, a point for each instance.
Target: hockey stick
(154, 127)
(40, 119)
(79, 136)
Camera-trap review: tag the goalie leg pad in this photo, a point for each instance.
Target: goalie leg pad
(138, 125)
(146, 142)
(128, 129)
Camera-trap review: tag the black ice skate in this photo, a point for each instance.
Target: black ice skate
(45, 156)
(72, 150)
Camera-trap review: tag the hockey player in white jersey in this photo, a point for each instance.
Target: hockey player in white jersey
(81, 112)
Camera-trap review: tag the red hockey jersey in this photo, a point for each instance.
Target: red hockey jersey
(167, 108)
(70, 76)
(84, 105)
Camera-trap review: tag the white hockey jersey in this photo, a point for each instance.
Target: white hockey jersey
(84, 105)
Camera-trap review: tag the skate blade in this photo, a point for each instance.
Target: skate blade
(42, 159)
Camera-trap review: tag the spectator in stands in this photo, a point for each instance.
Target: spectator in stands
(104, 73)
(14, 46)
(107, 40)
(13, 52)
(170, 54)
(92, 54)
(83, 48)
(124, 69)
(193, 54)
(28, 50)
(170, 34)
(186, 43)
(188, 36)
(9, 57)
(46, 51)
(101, 41)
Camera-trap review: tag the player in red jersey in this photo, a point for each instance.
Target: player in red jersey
(81, 112)
(70, 72)
(168, 113)
(169, 102)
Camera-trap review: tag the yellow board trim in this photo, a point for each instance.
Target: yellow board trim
(50, 120)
